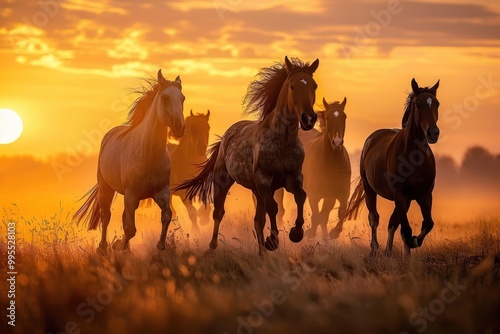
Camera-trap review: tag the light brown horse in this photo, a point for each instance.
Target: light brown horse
(263, 155)
(399, 166)
(327, 168)
(185, 159)
(134, 161)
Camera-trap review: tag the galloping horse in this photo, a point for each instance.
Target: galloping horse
(399, 166)
(263, 155)
(134, 161)
(327, 168)
(186, 156)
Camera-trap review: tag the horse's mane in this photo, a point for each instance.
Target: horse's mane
(409, 98)
(322, 119)
(138, 109)
(262, 93)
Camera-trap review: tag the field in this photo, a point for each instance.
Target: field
(450, 285)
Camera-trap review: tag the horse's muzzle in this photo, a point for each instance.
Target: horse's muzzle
(307, 121)
(432, 135)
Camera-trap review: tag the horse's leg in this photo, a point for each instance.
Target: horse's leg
(220, 192)
(171, 205)
(259, 221)
(191, 213)
(163, 200)
(315, 215)
(131, 203)
(425, 204)
(204, 214)
(106, 194)
(263, 184)
(328, 204)
(279, 197)
(341, 215)
(294, 185)
(402, 206)
(373, 216)
(391, 229)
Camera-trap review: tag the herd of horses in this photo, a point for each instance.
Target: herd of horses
(281, 150)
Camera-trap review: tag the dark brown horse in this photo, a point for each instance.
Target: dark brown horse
(134, 162)
(327, 168)
(399, 166)
(263, 155)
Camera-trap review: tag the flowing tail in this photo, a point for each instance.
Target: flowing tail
(356, 201)
(93, 217)
(202, 185)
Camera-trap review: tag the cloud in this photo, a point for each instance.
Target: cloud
(104, 34)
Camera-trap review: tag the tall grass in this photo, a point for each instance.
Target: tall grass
(315, 286)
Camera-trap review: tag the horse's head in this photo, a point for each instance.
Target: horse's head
(332, 121)
(171, 104)
(197, 131)
(425, 105)
(301, 94)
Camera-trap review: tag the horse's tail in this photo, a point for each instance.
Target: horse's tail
(202, 185)
(93, 217)
(356, 201)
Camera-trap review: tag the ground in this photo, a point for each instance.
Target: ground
(450, 285)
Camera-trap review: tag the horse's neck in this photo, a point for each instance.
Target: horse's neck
(286, 125)
(412, 135)
(153, 135)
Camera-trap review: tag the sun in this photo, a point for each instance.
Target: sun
(11, 126)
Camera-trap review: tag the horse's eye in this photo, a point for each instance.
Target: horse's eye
(292, 88)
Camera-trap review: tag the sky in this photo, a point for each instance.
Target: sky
(67, 67)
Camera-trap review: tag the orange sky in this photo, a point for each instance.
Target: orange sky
(66, 66)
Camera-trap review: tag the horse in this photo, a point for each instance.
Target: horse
(185, 157)
(327, 168)
(265, 154)
(133, 161)
(398, 164)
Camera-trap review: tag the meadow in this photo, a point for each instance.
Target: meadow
(449, 285)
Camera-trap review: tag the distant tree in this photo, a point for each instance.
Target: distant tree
(481, 165)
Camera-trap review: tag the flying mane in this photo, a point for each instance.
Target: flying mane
(138, 109)
(262, 93)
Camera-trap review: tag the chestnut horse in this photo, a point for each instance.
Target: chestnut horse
(134, 162)
(400, 166)
(263, 155)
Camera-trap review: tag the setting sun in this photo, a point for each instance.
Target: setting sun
(11, 126)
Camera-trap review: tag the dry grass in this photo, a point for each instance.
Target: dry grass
(309, 287)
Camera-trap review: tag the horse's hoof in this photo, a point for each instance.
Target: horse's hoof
(102, 251)
(335, 233)
(213, 244)
(118, 245)
(296, 234)
(311, 233)
(272, 242)
(414, 242)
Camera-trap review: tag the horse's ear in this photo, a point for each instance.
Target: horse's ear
(325, 103)
(434, 88)
(191, 112)
(160, 78)
(313, 67)
(414, 86)
(344, 102)
(288, 64)
(178, 79)
(208, 113)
